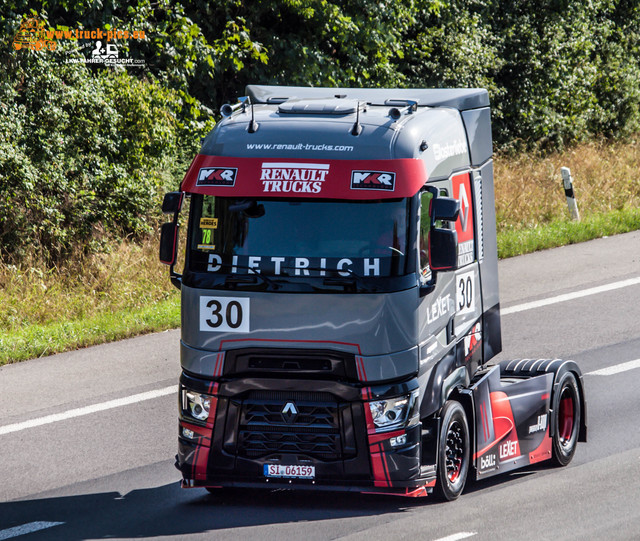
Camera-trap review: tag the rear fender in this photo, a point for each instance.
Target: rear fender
(558, 367)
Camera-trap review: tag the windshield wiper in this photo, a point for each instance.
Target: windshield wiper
(352, 274)
(348, 281)
(340, 281)
(249, 207)
(250, 278)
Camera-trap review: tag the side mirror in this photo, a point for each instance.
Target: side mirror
(441, 244)
(172, 202)
(168, 243)
(443, 249)
(444, 208)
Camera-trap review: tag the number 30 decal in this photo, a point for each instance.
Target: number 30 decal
(224, 314)
(465, 294)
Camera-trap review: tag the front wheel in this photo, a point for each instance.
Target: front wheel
(566, 414)
(453, 452)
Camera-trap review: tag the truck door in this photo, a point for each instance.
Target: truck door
(437, 306)
(468, 298)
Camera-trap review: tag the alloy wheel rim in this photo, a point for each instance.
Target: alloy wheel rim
(454, 451)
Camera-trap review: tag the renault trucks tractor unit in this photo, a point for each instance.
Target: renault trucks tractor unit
(340, 301)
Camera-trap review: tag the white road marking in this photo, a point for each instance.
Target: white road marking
(457, 536)
(570, 296)
(615, 369)
(26, 529)
(87, 410)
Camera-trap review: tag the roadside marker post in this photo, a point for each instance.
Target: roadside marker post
(567, 181)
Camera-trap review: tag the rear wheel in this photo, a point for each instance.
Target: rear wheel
(566, 414)
(453, 452)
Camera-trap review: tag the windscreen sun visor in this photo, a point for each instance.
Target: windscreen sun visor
(326, 179)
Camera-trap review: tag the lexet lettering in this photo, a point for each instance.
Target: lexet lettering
(438, 309)
(508, 449)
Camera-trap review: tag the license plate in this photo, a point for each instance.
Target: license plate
(292, 471)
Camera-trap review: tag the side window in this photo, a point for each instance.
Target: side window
(425, 226)
(446, 225)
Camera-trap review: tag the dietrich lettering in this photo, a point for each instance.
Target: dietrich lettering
(298, 266)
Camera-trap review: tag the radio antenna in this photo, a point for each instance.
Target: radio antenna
(357, 128)
(253, 125)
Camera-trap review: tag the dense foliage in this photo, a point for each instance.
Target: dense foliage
(85, 150)
(84, 157)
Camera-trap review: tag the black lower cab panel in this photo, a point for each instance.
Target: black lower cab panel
(354, 475)
(299, 439)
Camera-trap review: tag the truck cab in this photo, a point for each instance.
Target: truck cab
(340, 298)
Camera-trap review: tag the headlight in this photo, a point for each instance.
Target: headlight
(195, 404)
(393, 413)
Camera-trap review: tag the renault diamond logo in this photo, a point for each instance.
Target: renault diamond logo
(289, 412)
(464, 207)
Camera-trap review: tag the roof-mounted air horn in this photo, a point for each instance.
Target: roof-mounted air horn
(227, 110)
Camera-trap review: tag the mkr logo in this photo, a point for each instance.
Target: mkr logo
(217, 176)
(373, 180)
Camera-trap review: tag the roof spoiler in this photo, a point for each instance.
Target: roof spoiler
(462, 99)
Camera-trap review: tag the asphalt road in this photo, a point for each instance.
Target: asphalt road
(81, 459)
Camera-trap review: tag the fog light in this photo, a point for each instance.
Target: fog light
(190, 434)
(398, 440)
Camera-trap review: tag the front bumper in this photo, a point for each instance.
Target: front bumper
(332, 432)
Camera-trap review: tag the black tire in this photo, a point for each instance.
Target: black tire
(453, 452)
(566, 417)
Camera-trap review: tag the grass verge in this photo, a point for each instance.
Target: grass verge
(88, 300)
(561, 233)
(37, 340)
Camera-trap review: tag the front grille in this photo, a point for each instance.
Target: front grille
(327, 364)
(314, 429)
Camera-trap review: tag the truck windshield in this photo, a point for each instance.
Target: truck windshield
(299, 238)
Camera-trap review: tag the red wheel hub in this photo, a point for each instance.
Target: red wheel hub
(566, 417)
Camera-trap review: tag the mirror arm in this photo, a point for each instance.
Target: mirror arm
(176, 279)
(429, 286)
